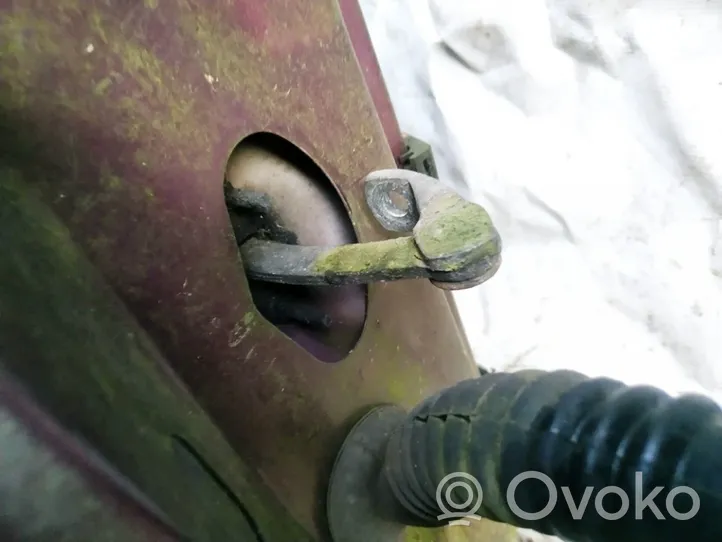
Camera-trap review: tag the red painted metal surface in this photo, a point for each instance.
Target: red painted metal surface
(123, 114)
(361, 41)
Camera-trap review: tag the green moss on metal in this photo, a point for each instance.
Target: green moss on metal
(476, 531)
(389, 255)
(134, 90)
(110, 181)
(418, 534)
(265, 69)
(102, 85)
(453, 225)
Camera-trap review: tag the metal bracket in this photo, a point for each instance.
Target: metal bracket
(453, 241)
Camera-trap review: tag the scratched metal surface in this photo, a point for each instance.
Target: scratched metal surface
(123, 114)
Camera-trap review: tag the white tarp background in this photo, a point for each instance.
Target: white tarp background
(592, 132)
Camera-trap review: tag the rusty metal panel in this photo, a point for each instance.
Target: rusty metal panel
(123, 114)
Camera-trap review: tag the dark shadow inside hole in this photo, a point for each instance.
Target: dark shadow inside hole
(275, 191)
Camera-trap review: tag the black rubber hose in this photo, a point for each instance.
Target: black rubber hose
(580, 433)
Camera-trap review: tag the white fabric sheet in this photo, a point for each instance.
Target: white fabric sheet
(592, 132)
